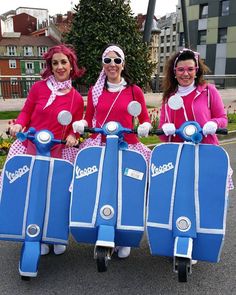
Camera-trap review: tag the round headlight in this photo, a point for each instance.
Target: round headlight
(43, 137)
(33, 230)
(190, 130)
(107, 212)
(183, 223)
(111, 127)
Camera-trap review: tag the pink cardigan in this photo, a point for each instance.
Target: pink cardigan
(207, 106)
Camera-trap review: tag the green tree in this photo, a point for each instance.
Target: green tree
(99, 22)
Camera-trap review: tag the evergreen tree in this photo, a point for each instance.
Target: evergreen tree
(97, 23)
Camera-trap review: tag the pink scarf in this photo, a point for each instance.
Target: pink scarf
(57, 86)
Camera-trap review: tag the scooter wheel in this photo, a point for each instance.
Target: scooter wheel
(102, 259)
(25, 278)
(182, 269)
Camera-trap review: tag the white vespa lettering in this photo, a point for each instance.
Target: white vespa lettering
(18, 173)
(161, 169)
(85, 172)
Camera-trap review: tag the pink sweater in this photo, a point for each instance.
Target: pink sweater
(33, 114)
(207, 106)
(119, 111)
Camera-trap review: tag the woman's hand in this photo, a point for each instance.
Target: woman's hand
(78, 126)
(71, 141)
(14, 129)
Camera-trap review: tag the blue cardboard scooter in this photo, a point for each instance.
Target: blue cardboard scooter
(109, 192)
(187, 200)
(35, 198)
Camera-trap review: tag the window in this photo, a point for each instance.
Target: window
(202, 37)
(222, 35)
(13, 81)
(42, 50)
(11, 50)
(28, 51)
(162, 39)
(203, 11)
(12, 64)
(168, 38)
(224, 7)
(181, 39)
(29, 68)
(42, 65)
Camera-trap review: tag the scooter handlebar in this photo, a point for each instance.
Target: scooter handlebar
(223, 131)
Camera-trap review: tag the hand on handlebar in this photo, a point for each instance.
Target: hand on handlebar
(209, 127)
(71, 141)
(143, 129)
(78, 126)
(13, 129)
(169, 129)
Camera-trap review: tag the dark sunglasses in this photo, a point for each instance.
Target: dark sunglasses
(108, 60)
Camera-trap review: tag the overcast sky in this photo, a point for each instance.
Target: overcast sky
(62, 6)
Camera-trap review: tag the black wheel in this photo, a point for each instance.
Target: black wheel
(25, 278)
(182, 268)
(102, 258)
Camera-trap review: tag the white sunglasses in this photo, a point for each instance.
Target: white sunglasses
(108, 60)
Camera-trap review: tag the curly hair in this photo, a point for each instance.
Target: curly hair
(70, 53)
(170, 83)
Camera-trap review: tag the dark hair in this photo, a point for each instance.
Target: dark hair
(170, 83)
(124, 72)
(70, 53)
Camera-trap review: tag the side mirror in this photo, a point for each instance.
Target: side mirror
(134, 108)
(64, 118)
(175, 102)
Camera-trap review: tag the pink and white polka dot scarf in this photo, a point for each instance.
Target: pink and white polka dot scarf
(57, 86)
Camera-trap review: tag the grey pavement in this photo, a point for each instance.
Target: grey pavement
(152, 99)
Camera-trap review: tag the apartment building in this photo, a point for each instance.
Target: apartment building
(212, 29)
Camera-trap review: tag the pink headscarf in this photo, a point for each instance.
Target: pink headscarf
(99, 85)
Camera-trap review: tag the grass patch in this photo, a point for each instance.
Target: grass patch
(8, 115)
(2, 161)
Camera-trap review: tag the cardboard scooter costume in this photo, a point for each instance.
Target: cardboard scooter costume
(187, 201)
(35, 198)
(109, 192)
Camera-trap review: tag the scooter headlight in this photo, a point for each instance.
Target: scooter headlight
(43, 137)
(107, 212)
(33, 230)
(111, 127)
(190, 130)
(183, 223)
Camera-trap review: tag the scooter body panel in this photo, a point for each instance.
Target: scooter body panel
(187, 198)
(113, 185)
(25, 178)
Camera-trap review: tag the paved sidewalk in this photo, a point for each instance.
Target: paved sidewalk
(152, 99)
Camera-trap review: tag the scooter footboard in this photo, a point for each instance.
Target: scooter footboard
(188, 198)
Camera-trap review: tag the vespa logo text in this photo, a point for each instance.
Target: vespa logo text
(85, 172)
(161, 169)
(18, 173)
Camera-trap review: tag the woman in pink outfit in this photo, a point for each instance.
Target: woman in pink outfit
(45, 100)
(108, 100)
(201, 100)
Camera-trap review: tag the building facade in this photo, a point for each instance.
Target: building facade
(212, 32)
